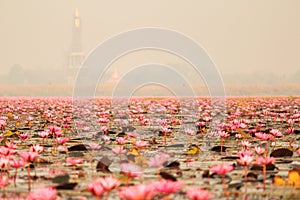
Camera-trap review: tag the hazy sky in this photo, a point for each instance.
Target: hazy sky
(240, 36)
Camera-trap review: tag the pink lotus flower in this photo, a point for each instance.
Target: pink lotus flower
(106, 138)
(62, 140)
(222, 169)
(246, 144)
(4, 163)
(94, 146)
(198, 194)
(165, 130)
(141, 143)
(190, 132)
(265, 160)
(11, 145)
(121, 140)
(109, 183)
(17, 163)
(207, 119)
(131, 170)
(289, 130)
(137, 192)
(276, 133)
(95, 188)
(86, 128)
(264, 136)
(245, 158)
(44, 134)
(118, 150)
(252, 130)
(47, 193)
(4, 180)
(259, 150)
(55, 130)
(158, 160)
(167, 186)
(24, 136)
(103, 120)
(74, 161)
(290, 121)
(238, 136)
(104, 129)
(28, 156)
(6, 152)
(132, 134)
(223, 134)
(2, 123)
(200, 124)
(37, 148)
(163, 123)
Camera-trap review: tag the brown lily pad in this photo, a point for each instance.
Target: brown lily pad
(103, 165)
(218, 148)
(167, 176)
(78, 147)
(256, 167)
(61, 179)
(173, 164)
(66, 186)
(282, 152)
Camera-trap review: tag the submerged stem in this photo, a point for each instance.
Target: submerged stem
(265, 175)
(28, 172)
(225, 187)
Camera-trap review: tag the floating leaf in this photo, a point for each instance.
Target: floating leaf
(103, 165)
(277, 180)
(66, 186)
(230, 158)
(76, 154)
(131, 157)
(206, 174)
(293, 179)
(61, 179)
(175, 146)
(8, 133)
(173, 164)
(194, 150)
(236, 186)
(167, 176)
(78, 147)
(18, 124)
(218, 148)
(134, 151)
(269, 166)
(282, 152)
(252, 175)
(140, 160)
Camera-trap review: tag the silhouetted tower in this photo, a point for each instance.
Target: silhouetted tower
(76, 55)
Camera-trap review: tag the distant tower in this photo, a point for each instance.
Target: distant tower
(76, 55)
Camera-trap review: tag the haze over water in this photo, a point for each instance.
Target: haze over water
(254, 44)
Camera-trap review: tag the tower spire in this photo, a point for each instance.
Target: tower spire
(76, 18)
(76, 55)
